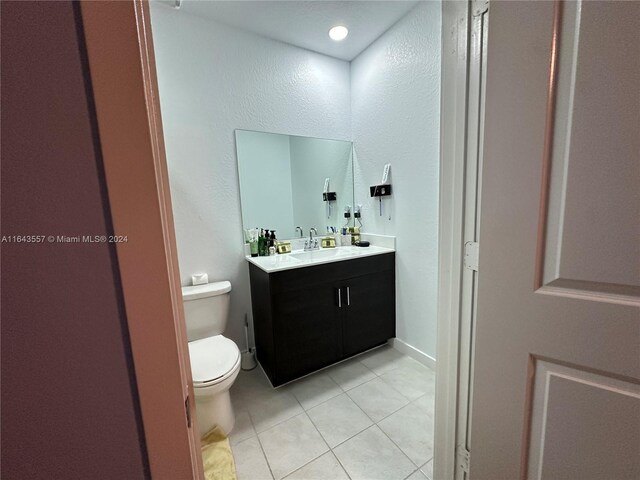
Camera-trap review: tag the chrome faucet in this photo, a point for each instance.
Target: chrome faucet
(298, 229)
(311, 244)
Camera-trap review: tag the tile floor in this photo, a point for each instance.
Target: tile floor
(368, 418)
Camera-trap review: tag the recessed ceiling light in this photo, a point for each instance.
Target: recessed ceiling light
(338, 33)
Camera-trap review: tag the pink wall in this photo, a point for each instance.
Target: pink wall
(69, 405)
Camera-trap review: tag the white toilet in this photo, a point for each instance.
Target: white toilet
(215, 360)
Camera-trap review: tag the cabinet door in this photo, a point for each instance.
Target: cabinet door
(368, 311)
(307, 331)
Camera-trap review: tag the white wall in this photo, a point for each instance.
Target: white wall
(214, 79)
(395, 106)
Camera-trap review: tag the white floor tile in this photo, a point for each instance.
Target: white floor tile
(417, 475)
(427, 403)
(314, 390)
(292, 444)
(251, 380)
(274, 436)
(325, 467)
(382, 360)
(377, 399)
(411, 379)
(350, 374)
(339, 419)
(242, 429)
(250, 461)
(427, 469)
(370, 455)
(250, 386)
(411, 429)
(273, 409)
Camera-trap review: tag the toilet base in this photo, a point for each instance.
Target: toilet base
(215, 410)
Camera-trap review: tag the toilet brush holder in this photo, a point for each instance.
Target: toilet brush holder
(248, 361)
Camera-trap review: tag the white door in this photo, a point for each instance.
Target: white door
(557, 351)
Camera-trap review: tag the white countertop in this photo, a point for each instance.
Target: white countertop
(300, 258)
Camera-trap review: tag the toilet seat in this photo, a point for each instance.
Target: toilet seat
(213, 360)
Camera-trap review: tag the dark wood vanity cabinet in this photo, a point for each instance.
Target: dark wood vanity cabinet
(308, 318)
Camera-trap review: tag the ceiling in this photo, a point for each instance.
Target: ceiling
(306, 23)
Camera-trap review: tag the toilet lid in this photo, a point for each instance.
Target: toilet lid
(212, 358)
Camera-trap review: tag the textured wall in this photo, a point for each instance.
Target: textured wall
(214, 79)
(69, 405)
(395, 104)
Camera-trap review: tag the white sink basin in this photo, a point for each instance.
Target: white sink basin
(300, 258)
(326, 253)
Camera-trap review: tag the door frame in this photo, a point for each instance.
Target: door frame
(123, 76)
(462, 110)
(119, 49)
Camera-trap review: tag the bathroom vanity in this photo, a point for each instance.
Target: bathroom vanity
(313, 309)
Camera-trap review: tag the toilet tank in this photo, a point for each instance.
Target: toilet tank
(206, 309)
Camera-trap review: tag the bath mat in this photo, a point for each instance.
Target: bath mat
(217, 457)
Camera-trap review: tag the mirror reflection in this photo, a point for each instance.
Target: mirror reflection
(287, 181)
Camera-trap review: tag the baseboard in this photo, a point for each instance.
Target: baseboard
(413, 352)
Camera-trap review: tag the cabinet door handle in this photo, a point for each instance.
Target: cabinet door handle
(348, 296)
(339, 298)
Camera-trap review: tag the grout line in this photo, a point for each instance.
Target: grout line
(323, 453)
(328, 367)
(354, 435)
(304, 412)
(382, 430)
(430, 477)
(365, 413)
(255, 433)
(280, 422)
(356, 386)
(346, 392)
(324, 401)
(347, 439)
(416, 470)
(301, 467)
(261, 449)
(425, 463)
(344, 469)
(266, 459)
(386, 416)
(395, 389)
(398, 447)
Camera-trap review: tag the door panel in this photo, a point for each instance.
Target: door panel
(307, 330)
(582, 423)
(594, 174)
(368, 311)
(557, 347)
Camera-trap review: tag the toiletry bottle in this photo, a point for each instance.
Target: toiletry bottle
(253, 242)
(267, 242)
(273, 239)
(261, 243)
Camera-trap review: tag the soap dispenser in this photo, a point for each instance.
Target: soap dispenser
(261, 244)
(272, 243)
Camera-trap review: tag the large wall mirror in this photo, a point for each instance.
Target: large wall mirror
(283, 177)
